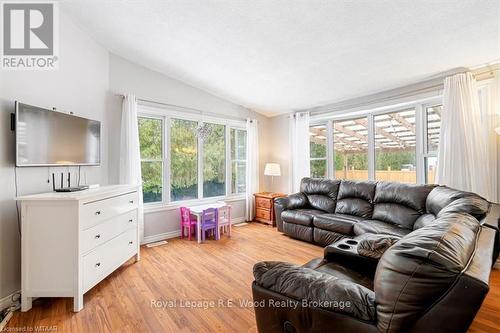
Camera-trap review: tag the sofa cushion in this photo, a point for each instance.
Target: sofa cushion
(300, 283)
(300, 216)
(298, 231)
(379, 227)
(340, 223)
(415, 272)
(295, 201)
(424, 220)
(325, 237)
(355, 198)
(442, 196)
(321, 193)
(471, 204)
(399, 203)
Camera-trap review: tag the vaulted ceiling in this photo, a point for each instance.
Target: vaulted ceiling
(275, 56)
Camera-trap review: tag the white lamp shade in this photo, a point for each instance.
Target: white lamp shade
(272, 169)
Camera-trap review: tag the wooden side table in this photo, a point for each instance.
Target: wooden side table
(264, 207)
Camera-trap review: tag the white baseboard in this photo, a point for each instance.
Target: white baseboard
(160, 237)
(238, 220)
(176, 233)
(7, 300)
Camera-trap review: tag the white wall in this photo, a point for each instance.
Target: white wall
(80, 86)
(279, 127)
(127, 77)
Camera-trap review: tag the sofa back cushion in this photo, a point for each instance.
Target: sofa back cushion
(419, 269)
(442, 196)
(356, 198)
(399, 203)
(321, 193)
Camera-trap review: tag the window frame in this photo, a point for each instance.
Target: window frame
(426, 154)
(229, 166)
(414, 108)
(166, 115)
(162, 159)
(327, 175)
(420, 107)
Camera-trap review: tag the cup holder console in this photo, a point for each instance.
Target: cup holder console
(346, 250)
(347, 245)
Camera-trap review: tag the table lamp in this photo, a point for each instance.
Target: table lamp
(272, 169)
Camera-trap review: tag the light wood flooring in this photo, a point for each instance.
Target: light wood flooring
(216, 271)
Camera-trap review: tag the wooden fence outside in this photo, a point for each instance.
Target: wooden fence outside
(384, 175)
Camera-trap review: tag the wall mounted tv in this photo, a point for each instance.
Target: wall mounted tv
(50, 138)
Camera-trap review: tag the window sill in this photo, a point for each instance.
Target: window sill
(159, 207)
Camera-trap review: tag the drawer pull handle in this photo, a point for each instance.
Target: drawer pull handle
(97, 236)
(131, 201)
(98, 264)
(98, 212)
(130, 221)
(130, 243)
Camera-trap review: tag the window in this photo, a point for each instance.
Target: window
(395, 147)
(317, 146)
(183, 160)
(350, 146)
(238, 140)
(391, 143)
(433, 129)
(178, 164)
(151, 145)
(214, 159)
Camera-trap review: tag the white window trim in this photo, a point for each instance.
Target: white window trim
(166, 115)
(420, 107)
(230, 161)
(162, 159)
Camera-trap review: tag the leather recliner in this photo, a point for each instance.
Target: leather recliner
(432, 279)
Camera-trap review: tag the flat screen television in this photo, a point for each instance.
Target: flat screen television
(50, 138)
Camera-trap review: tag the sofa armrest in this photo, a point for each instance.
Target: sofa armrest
(313, 288)
(492, 218)
(374, 245)
(293, 201)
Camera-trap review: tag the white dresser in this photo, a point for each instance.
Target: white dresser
(72, 241)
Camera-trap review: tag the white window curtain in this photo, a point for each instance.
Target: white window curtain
(463, 159)
(130, 154)
(252, 176)
(299, 137)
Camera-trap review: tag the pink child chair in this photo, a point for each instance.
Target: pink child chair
(187, 222)
(224, 216)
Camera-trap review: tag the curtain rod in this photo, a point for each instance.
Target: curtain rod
(189, 109)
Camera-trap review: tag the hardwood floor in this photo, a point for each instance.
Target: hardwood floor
(129, 299)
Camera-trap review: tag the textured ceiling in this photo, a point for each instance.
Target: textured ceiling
(275, 56)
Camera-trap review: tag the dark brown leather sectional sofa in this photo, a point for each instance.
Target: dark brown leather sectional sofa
(398, 258)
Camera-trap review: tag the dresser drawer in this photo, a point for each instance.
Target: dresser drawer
(107, 257)
(263, 214)
(94, 212)
(103, 232)
(263, 203)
